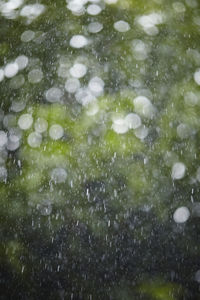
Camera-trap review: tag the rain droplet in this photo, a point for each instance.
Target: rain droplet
(141, 132)
(78, 70)
(92, 109)
(40, 125)
(34, 139)
(119, 125)
(94, 9)
(78, 41)
(84, 96)
(181, 214)
(95, 27)
(25, 121)
(121, 26)
(22, 62)
(17, 106)
(17, 81)
(178, 7)
(183, 131)
(197, 76)
(96, 86)
(56, 132)
(133, 121)
(144, 107)
(58, 175)
(35, 76)
(45, 208)
(72, 85)
(178, 171)
(27, 36)
(11, 70)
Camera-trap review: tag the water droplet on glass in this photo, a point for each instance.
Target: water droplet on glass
(54, 94)
(141, 132)
(183, 131)
(34, 139)
(96, 86)
(178, 7)
(181, 214)
(143, 106)
(94, 9)
(78, 70)
(58, 175)
(11, 70)
(27, 36)
(92, 109)
(78, 41)
(119, 125)
(32, 11)
(133, 121)
(17, 82)
(72, 85)
(84, 96)
(56, 132)
(197, 76)
(40, 125)
(95, 27)
(25, 121)
(178, 171)
(18, 106)
(121, 26)
(35, 76)
(22, 62)
(45, 208)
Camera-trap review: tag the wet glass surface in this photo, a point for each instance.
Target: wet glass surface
(100, 149)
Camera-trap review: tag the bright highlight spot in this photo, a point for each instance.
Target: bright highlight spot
(78, 41)
(181, 214)
(121, 26)
(178, 171)
(56, 132)
(54, 94)
(72, 85)
(197, 76)
(133, 121)
(94, 9)
(11, 70)
(78, 70)
(40, 125)
(25, 121)
(34, 139)
(144, 107)
(27, 36)
(35, 76)
(119, 125)
(95, 27)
